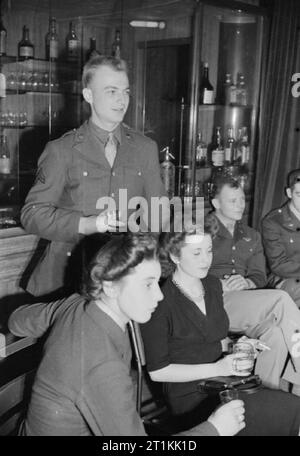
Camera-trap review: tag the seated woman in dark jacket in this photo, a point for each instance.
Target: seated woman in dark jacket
(183, 340)
(83, 384)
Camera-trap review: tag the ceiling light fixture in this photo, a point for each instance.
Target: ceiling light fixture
(150, 24)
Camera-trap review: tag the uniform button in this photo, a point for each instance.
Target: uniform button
(233, 260)
(233, 247)
(68, 253)
(33, 207)
(85, 173)
(139, 173)
(233, 271)
(80, 136)
(279, 210)
(113, 173)
(113, 195)
(291, 241)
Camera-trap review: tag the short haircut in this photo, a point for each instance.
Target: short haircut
(117, 258)
(98, 61)
(293, 178)
(172, 242)
(220, 182)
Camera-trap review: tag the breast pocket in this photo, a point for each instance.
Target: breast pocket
(88, 184)
(134, 181)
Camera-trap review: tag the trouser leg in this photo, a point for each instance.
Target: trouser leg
(292, 287)
(257, 313)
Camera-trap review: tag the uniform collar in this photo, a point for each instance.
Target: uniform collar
(239, 230)
(102, 135)
(294, 212)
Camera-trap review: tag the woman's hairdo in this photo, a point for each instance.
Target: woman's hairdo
(171, 243)
(116, 259)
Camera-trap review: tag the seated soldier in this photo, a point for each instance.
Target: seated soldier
(269, 315)
(281, 239)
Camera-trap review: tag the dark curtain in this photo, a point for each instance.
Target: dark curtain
(277, 151)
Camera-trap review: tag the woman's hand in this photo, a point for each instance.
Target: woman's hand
(227, 366)
(229, 419)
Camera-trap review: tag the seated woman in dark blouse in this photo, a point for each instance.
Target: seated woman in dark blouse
(83, 385)
(183, 340)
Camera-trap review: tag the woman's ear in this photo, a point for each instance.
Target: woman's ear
(87, 95)
(289, 193)
(110, 289)
(174, 258)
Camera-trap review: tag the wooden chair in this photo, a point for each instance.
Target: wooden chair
(19, 359)
(149, 404)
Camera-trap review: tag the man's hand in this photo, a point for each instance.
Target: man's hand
(256, 344)
(106, 221)
(229, 419)
(236, 282)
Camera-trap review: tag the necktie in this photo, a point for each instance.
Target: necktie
(110, 149)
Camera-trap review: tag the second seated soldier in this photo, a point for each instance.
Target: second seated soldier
(77, 170)
(268, 315)
(281, 239)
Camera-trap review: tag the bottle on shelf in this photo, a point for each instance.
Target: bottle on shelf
(5, 164)
(116, 46)
(92, 52)
(2, 85)
(52, 41)
(245, 150)
(217, 152)
(25, 47)
(3, 36)
(241, 91)
(72, 44)
(229, 147)
(201, 152)
(167, 171)
(206, 88)
(227, 88)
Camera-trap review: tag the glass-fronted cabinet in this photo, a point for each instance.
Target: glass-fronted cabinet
(40, 100)
(224, 102)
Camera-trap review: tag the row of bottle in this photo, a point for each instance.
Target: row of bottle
(5, 161)
(218, 153)
(233, 94)
(73, 47)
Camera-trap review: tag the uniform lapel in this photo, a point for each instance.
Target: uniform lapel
(86, 144)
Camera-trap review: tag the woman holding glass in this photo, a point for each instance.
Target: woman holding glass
(183, 339)
(83, 385)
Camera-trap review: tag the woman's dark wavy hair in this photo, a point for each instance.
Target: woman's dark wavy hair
(172, 242)
(117, 258)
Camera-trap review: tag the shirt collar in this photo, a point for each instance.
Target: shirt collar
(102, 135)
(294, 211)
(116, 318)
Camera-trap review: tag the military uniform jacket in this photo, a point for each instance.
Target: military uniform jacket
(72, 175)
(241, 254)
(281, 239)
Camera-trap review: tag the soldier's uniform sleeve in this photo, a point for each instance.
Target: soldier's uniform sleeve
(153, 183)
(256, 267)
(279, 262)
(42, 214)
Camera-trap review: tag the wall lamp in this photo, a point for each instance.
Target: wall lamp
(148, 24)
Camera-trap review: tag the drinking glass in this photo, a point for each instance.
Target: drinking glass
(243, 361)
(228, 395)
